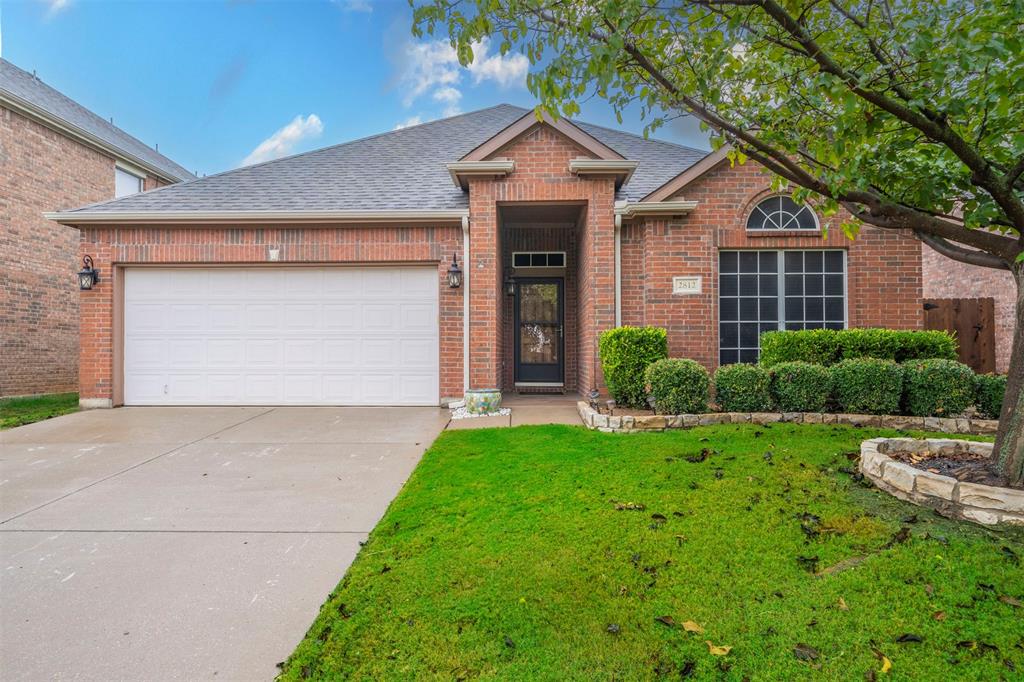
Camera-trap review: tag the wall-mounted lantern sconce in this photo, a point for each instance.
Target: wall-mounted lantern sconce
(510, 285)
(454, 273)
(88, 275)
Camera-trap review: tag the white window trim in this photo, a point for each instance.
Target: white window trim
(777, 230)
(127, 171)
(781, 323)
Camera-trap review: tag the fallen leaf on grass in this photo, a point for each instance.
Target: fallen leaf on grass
(1012, 601)
(717, 650)
(939, 615)
(901, 536)
(909, 638)
(886, 663)
(666, 620)
(629, 506)
(842, 605)
(805, 652)
(690, 626)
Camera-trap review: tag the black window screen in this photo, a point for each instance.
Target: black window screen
(763, 291)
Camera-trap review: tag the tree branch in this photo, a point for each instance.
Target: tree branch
(949, 250)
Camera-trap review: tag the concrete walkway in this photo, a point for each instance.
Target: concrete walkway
(187, 543)
(526, 410)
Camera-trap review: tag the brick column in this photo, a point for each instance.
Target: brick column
(484, 287)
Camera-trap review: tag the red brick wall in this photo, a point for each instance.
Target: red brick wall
(42, 170)
(541, 239)
(883, 266)
(541, 175)
(947, 278)
(321, 244)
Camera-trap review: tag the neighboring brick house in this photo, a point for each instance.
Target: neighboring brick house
(324, 278)
(948, 278)
(53, 152)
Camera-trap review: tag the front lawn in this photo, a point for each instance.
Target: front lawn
(734, 552)
(21, 411)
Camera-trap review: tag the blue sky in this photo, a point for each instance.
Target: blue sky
(219, 83)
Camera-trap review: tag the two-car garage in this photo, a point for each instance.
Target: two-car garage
(277, 335)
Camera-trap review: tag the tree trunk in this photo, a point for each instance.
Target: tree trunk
(1008, 454)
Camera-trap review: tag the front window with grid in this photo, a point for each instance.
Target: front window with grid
(762, 291)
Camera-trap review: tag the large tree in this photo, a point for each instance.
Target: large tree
(908, 114)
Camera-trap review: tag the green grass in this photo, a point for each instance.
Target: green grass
(505, 557)
(21, 411)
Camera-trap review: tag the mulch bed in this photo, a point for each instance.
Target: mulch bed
(963, 466)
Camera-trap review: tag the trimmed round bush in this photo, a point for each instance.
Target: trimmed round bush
(743, 388)
(989, 392)
(801, 387)
(678, 386)
(937, 388)
(867, 386)
(625, 354)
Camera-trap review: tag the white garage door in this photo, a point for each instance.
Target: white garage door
(281, 335)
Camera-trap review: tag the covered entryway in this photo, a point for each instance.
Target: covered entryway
(281, 336)
(539, 257)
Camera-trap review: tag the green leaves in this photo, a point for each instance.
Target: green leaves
(953, 64)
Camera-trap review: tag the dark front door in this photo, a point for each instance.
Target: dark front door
(540, 346)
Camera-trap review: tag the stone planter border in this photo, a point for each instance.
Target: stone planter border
(626, 424)
(984, 504)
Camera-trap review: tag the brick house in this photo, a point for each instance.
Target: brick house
(947, 278)
(53, 152)
(323, 278)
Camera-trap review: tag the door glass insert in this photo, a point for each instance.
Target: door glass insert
(539, 323)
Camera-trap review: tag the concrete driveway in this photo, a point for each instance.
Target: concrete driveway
(187, 543)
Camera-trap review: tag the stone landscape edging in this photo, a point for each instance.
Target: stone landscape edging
(592, 419)
(983, 504)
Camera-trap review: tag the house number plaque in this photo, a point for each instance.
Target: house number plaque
(682, 286)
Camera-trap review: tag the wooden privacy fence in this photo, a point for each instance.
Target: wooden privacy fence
(973, 320)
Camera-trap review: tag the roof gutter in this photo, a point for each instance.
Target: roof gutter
(461, 171)
(621, 169)
(654, 208)
(75, 218)
(12, 101)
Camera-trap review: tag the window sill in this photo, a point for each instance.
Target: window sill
(784, 233)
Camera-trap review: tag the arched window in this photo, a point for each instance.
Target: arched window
(781, 213)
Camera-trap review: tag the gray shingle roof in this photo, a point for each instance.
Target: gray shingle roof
(399, 170)
(21, 85)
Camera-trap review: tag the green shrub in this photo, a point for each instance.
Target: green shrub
(989, 392)
(743, 388)
(625, 354)
(925, 345)
(867, 386)
(829, 346)
(938, 388)
(678, 386)
(801, 387)
(818, 346)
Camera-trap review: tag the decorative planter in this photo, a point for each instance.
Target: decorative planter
(984, 504)
(483, 400)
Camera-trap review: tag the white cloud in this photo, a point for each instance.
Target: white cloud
(450, 98)
(432, 68)
(55, 7)
(282, 142)
(506, 70)
(355, 5)
(411, 121)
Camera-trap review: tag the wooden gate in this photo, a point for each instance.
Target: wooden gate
(973, 322)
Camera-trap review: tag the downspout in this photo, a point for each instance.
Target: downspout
(465, 303)
(618, 270)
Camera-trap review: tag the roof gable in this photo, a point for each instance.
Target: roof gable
(529, 122)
